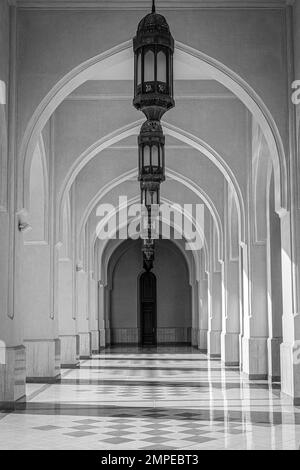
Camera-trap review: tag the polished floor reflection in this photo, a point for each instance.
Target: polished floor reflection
(157, 398)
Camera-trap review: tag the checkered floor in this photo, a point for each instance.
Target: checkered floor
(167, 398)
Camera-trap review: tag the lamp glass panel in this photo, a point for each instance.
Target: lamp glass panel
(147, 155)
(161, 67)
(139, 68)
(149, 66)
(155, 156)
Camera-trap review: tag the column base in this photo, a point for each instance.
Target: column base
(95, 338)
(44, 380)
(202, 340)
(12, 376)
(20, 404)
(255, 358)
(194, 338)
(241, 350)
(288, 400)
(69, 347)
(230, 354)
(85, 345)
(290, 371)
(102, 338)
(214, 343)
(273, 345)
(42, 360)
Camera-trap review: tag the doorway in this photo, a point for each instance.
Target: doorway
(148, 309)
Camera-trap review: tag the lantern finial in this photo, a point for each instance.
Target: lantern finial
(153, 6)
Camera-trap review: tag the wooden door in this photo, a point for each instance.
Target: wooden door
(148, 308)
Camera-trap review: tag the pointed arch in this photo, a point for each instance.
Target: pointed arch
(136, 199)
(174, 176)
(214, 68)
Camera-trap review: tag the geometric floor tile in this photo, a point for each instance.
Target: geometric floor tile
(87, 421)
(84, 427)
(116, 440)
(46, 428)
(164, 398)
(79, 434)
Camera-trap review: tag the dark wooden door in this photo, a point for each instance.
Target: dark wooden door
(148, 308)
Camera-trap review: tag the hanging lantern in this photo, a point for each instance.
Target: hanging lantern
(153, 52)
(150, 193)
(151, 143)
(148, 254)
(153, 95)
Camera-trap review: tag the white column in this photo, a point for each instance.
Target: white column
(290, 364)
(231, 291)
(203, 321)
(195, 313)
(274, 289)
(255, 282)
(290, 243)
(101, 313)
(69, 341)
(12, 351)
(107, 302)
(93, 314)
(215, 296)
(38, 294)
(254, 342)
(231, 314)
(82, 314)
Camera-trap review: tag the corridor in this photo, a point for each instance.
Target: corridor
(152, 398)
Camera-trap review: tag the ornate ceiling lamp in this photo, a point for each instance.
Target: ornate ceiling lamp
(153, 52)
(153, 48)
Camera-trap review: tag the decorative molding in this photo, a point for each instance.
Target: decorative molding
(117, 5)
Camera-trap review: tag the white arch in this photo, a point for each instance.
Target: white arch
(180, 135)
(109, 250)
(176, 177)
(178, 229)
(214, 68)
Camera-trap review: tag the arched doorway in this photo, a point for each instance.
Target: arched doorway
(148, 308)
(124, 296)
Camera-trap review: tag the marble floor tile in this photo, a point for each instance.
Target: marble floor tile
(154, 398)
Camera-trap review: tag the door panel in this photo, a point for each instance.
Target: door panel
(148, 308)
